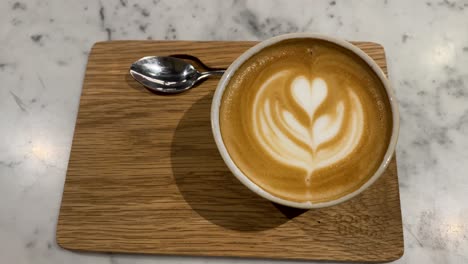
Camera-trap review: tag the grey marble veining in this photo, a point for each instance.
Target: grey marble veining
(44, 48)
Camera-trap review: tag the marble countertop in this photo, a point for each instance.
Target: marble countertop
(44, 48)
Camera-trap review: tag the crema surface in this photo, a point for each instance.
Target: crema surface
(306, 120)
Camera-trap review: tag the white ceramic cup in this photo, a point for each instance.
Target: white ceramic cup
(217, 101)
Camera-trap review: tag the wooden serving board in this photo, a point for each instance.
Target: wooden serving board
(145, 176)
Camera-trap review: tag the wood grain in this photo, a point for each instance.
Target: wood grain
(145, 176)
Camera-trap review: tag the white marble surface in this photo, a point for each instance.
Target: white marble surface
(43, 53)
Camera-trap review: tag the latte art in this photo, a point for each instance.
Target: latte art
(306, 120)
(313, 143)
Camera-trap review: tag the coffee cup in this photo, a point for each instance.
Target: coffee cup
(305, 120)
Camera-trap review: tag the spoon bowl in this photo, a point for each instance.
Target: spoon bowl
(167, 74)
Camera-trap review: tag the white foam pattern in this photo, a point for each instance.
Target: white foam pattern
(324, 140)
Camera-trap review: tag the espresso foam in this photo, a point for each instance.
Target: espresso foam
(306, 120)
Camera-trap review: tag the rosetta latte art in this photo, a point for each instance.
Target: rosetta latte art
(320, 140)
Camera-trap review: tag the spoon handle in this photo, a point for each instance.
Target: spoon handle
(217, 72)
(207, 74)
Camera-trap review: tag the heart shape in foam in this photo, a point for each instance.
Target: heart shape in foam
(309, 95)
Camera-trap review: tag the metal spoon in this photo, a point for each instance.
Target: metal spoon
(168, 74)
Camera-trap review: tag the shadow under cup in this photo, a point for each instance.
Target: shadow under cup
(218, 101)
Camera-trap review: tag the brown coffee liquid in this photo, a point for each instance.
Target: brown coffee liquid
(306, 120)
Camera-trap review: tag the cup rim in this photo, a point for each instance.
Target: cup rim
(244, 179)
